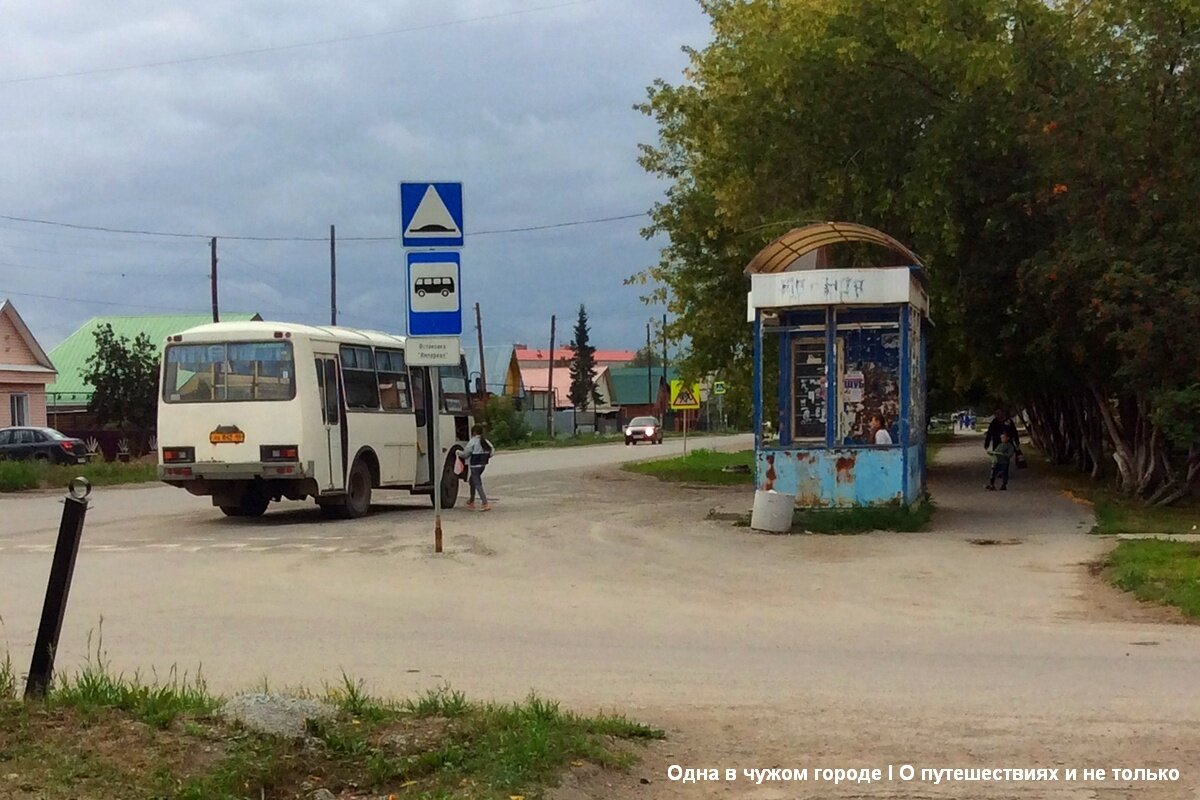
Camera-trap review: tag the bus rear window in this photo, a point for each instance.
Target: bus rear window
(229, 372)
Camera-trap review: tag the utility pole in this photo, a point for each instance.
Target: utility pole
(332, 276)
(482, 361)
(650, 398)
(550, 385)
(213, 247)
(664, 331)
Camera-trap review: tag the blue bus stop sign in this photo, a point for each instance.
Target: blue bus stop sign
(434, 293)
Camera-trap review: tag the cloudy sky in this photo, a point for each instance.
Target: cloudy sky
(527, 102)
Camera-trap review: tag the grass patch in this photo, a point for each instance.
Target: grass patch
(905, 519)
(18, 476)
(1159, 571)
(701, 466)
(99, 735)
(1116, 513)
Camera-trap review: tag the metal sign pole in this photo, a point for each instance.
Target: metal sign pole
(435, 459)
(685, 416)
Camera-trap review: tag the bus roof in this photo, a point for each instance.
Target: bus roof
(229, 331)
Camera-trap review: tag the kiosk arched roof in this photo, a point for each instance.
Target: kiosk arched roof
(799, 242)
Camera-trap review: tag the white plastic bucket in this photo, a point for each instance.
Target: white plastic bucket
(772, 511)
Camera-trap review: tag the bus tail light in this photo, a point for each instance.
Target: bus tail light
(178, 455)
(279, 452)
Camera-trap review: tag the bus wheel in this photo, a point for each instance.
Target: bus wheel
(251, 504)
(449, 485)
(358, 491)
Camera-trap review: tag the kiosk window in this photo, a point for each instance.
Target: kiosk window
(808, 390)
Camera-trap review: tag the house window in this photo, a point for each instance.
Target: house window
(18, 409)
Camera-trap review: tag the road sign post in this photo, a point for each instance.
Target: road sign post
(435, 379)
(685, 397)
(431, 216)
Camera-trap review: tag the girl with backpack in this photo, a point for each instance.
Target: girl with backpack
(477, 453)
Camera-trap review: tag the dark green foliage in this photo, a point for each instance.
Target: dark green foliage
(1041, 157)
(124, 376)
(503, 424)
(583, 364)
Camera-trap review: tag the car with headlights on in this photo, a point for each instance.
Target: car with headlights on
(643, 429)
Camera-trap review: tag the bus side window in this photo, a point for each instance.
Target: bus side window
(393, 380)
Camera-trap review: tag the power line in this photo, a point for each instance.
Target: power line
(6, 292)
(394, 238)
(295, 46)
(104, 273)
(550, 226)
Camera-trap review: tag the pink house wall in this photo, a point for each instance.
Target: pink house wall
(13, 349)
(37, 401)
(20, 370)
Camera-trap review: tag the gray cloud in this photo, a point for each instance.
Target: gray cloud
(532, 112)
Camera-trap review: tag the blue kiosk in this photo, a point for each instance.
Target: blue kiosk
(851, 346)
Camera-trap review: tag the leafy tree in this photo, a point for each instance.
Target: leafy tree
(1041, 157)
(124, 379)
(503, 423)
(583, 365)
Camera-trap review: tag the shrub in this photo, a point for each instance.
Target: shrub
(503, 423)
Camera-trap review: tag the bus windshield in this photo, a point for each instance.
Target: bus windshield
(229, 372)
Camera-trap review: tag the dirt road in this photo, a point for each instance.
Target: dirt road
(607, 590)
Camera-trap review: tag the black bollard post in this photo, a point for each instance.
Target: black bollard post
(70, 530)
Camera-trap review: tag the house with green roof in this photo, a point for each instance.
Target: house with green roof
(641, 391)
(70, 393)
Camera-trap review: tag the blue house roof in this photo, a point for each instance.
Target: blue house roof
(497, 359)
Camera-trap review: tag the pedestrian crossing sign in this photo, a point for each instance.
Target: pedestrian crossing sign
(685, 397)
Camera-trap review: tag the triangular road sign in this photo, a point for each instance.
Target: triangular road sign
(432, 220)
(684, 397)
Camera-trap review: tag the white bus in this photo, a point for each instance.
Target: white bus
(251, 412)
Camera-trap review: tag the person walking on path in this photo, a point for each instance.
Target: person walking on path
(478, 452)
(1001, 454)
(1001, 423)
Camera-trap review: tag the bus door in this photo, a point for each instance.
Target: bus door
(426, 419)
(331, 464)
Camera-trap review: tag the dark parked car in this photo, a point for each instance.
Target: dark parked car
(41, 444)
(643, 429)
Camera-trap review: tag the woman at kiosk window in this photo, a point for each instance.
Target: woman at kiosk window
(879, 431)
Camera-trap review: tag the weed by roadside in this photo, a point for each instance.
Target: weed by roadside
(99, 735)
(895, 517)
(18, 476)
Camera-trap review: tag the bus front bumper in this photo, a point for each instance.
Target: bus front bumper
(219, 471)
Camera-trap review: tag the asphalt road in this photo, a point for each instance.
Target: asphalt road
(984, 642)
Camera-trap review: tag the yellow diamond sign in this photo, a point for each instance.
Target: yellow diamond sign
(685, 397)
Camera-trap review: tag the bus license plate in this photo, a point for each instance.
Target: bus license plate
(226, 437)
